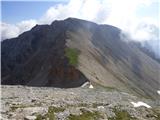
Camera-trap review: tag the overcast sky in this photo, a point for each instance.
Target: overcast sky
(137, 17)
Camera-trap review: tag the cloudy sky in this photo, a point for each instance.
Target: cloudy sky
(138, 18)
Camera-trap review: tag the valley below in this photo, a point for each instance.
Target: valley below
(82, 103)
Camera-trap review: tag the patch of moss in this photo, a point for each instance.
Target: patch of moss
(39, 117)
(55, 109)
(72, 55)
(51, 113)
(16, 106)
(121, 115)
(86, 115)
(156, 114)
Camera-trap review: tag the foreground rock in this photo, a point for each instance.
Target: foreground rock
(29, 103)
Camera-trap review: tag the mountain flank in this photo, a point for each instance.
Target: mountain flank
(70, 52)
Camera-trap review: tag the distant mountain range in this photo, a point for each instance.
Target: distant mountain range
(70, 52)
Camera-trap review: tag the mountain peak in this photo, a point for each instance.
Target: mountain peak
(70, 52)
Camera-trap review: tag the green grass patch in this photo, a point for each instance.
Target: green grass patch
(55, 109)
(72, 55)
(50, 115)
(121, 115)
(39, 117)
(86, 115)
(156, 114)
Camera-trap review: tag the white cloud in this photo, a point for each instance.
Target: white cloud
(143, 30)
(120, 13)
(84, 9)
(124, 15)
(26, 25)
(11, 30)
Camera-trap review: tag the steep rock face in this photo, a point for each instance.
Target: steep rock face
(37, 57)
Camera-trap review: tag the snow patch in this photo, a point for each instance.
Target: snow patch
(100, 107)
(138, 104)
(91, 86)
(158, 91)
